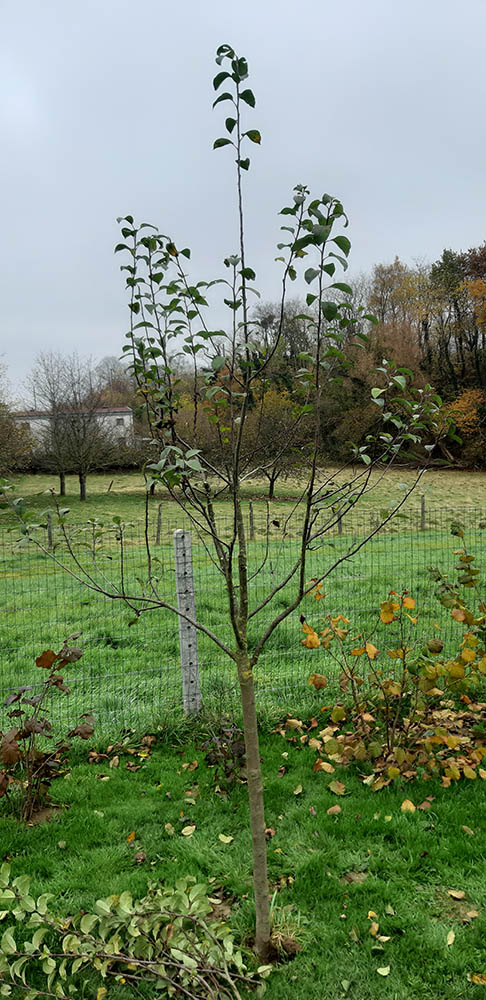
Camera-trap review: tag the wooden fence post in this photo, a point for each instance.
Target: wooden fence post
(422, 512)
(252, 523)
(50, 544)
(191, 689)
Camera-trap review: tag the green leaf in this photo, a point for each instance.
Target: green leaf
(376, 392)
(248, 97)
(254, 135)
(343, 243)
(244, 164)
(218, 363)
(218, 79)
(329, 310)
(223, 97)
(221, 142)
(230, 124)
(343, 287)
(248, 273)
(8, 945)
(310, 274)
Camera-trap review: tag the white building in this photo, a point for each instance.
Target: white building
(118, 420)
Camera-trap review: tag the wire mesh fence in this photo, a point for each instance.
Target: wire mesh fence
(130, 673)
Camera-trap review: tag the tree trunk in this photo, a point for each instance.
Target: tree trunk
(62, 484)
(82, 485)
(255, 798)
(271, 490)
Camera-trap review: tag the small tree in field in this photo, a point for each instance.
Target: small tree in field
(168, 310)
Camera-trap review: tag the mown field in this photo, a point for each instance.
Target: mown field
(130, 672)
(123, 493)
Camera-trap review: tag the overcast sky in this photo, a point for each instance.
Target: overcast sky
(105, 109)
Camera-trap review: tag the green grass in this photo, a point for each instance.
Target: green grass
(410, 861)
(441, 488)
(130, 674)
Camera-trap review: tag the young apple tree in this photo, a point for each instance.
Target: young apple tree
(169, 316)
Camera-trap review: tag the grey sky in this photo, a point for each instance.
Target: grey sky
(105, 108)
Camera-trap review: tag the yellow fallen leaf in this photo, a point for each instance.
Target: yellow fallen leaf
(298, 790)
(371, 651)
(469, 772)
(407, 806)
(384, 970)
(101, 993)
(456, 893)
(224, 839)
(333, 810)
(188, 831)
(478, 978)
(374, 928)
(451, 937)
(383, 938)
(169, 829)
(393, 772)
(337, 787)
(131, 836)
(472, 914)
(372, 915)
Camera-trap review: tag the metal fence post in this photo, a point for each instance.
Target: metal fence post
(191, 689)
(159, 524)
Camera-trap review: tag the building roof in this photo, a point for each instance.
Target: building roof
(39, 414)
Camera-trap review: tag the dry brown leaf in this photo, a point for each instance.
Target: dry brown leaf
(333, 810)
(467, 829)
(131, 836)
(456, 893)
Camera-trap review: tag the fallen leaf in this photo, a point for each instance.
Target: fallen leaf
(323, 765)
(269, 832)
(298, 790)
(312, 811)
(169, 829)
(383, 938)
(478, 978)
(472, 914)
(467, 829)
(372, 915)
(221, 836)
(337, 787)
(354, 878)
(61, 845)
(188, 831)
(333, 810)
(101, 993)
(456, 893)
(114, 762)
(374, 928)
(140, 857)
(424, 805)
(384, 970)
(407, 806)
(389, 910)
(99, 813)
(451, 937)
(131, 836)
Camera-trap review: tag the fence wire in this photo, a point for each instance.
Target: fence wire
(130, 675)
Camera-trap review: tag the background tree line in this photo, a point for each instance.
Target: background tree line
(431, 320)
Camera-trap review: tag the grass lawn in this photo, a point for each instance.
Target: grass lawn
(407, 863)
(123, 493)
